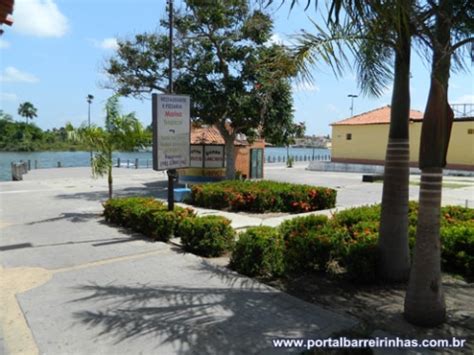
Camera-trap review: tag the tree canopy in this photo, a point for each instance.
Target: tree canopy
(236, 78)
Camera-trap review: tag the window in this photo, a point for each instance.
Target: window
(348, 136)
(470, 131)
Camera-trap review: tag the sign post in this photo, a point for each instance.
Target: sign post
(171, 136)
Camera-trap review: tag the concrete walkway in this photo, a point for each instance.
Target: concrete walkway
(71, 284)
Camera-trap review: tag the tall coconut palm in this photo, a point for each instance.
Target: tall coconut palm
(121, 133)
(453, 22)
(27, 110)
(378, 33)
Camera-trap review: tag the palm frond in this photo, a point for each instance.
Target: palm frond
(374, 68)
(328, 46)
(100, 164)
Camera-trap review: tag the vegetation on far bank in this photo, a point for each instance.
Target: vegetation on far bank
(22, 137)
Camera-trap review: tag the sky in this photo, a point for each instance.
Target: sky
(55, 52)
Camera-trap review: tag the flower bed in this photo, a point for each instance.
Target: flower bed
(347, 243)
(262, 196)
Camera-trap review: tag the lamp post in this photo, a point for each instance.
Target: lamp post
(172, 174)
(89, 99)
(352, 96)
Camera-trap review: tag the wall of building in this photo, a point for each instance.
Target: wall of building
(242, 156)
(368, 143)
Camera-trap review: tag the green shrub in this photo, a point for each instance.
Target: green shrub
(262, 196)
(207, 236)
(145, 215)
(259, 252)
(359, 257)
(355, 215)
(457, 248)
(302, 225)
(455, 214)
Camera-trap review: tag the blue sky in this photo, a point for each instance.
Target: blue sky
(54, 54)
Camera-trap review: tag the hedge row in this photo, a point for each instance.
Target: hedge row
(206, 236)
(262, 196)
(346, 244)
(145, 215)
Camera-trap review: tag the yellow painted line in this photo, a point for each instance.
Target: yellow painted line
(18, 338)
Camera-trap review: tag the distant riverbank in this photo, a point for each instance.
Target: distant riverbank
(50, 159)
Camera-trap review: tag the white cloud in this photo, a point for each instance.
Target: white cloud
(107, 43)
(13, 75)
(305, 87)
(40, 18)
(7, 96)
(4, 44)
(464, 99)
(278, 39)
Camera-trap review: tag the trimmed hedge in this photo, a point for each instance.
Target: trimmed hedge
(145, 215)
(207, 236)
(262, 196)
(259, 251)
(349, 241)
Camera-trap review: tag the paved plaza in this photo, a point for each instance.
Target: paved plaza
(72, 284)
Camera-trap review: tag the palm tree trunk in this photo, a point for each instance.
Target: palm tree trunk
(424, 301)
(394, 253)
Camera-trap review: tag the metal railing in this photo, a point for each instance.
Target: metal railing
(297, 158)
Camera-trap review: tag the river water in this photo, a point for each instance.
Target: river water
(73, 159)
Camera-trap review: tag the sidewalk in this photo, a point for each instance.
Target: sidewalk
(72, 284)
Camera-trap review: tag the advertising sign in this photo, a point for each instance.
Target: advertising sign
(171, 131)
(213, 156)
(196, 156)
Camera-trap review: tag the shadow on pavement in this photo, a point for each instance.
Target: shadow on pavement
(155, 189)
(74, 217)
(93, 242)
(236, 316)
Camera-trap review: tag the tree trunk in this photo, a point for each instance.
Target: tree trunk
(394, 253)
(109, 177)
(110, 182)
(229, 139)
(424, 301)
(229, 157)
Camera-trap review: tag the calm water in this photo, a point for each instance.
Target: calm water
(70, 159)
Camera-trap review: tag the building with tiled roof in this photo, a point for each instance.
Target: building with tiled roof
(378, 116)
(207, 156)
(210, 135)
(363, 139)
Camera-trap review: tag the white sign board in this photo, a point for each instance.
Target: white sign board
(196, 156)
(214, 156)
(171, 132)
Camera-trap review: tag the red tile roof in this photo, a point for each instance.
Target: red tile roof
(377, 116)
(211, 135)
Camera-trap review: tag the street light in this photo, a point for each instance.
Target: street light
(352, 96)
(89, 99)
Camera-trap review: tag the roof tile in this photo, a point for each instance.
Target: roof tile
(377, 116)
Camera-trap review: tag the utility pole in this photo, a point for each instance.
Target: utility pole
(171, 172)
(352, 96)
(89, 99)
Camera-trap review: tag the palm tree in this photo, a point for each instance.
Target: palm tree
(27, 110)
(121, 132)
(377, 33)
(424, 300)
